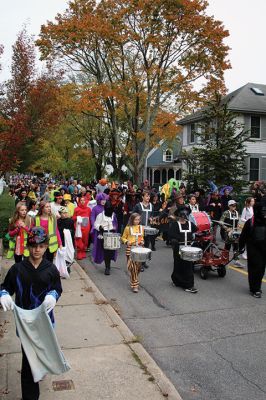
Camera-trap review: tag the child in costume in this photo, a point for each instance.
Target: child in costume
(45, 219)
(18, 233)
(81, 218)
(105, 222)
(133, 236)
(34, 281)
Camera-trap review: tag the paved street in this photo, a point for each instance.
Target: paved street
(211, 345)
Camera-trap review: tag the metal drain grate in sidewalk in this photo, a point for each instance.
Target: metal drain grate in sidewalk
(59, 386)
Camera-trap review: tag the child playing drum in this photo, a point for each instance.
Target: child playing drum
(181, 233)
(105, 222)
(133, 236)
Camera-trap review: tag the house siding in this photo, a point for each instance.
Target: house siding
(156, 158)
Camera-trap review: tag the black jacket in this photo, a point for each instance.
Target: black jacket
(31, 284)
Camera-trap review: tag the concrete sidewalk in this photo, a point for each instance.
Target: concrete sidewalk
(107, 362)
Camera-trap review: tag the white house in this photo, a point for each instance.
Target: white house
(249, 104)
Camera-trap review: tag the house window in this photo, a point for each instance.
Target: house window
(255, 127)
(168, 155)
(254, 169)
(192, 133)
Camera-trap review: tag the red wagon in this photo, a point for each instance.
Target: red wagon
(214, 258)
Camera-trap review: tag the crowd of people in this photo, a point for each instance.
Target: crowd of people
(51, 216)
(89, 211)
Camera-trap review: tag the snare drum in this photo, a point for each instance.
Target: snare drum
(149, 231)
(111, 241)
(189, 253)
(140, 254)
(201, 220)
(234, 235)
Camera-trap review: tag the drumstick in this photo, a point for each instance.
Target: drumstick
(221, 223)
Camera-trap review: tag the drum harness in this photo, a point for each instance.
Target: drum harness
(146, 210)
(140, 233)
(185, 231)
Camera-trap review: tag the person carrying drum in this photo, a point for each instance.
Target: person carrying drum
(181, 233)
(133, 236)
(105, 222)
(230, 219)
(145, 209)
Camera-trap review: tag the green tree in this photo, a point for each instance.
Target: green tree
(220, 152)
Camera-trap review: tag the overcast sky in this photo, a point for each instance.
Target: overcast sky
(244, 19)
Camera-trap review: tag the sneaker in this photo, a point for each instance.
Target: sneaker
(256, 294)
(146, 266)
(238, 264)
(142, 269)
(191, 290)
(135, 290)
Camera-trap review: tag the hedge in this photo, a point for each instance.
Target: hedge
(7, 206)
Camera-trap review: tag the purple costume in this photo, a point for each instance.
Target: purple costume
(97, 251)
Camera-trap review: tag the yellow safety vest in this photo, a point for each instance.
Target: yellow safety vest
(12, 246)
(53, 243)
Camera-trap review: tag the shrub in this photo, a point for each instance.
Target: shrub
(7, 206)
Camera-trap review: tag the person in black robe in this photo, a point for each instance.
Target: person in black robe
(183, 274)
(253, 236)
(34, 280)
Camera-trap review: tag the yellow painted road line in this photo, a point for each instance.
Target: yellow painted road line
(242, 271)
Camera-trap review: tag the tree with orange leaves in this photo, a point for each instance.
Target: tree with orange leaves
(141, 58)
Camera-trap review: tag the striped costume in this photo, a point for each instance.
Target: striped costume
(132, 236)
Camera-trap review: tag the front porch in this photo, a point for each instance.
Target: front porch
(159, 175)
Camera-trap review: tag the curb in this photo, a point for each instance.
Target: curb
(165, 385)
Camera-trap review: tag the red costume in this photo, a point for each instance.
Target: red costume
(81, 243)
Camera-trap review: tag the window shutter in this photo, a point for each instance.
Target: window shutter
(263, 169)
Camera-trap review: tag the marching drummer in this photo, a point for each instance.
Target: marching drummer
(133, 236)
(181, 233)
(229, 220)
(105, 222)
(145, 209)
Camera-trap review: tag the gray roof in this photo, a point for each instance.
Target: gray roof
(242, 100)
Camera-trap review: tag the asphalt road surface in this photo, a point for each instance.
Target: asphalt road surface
(212, 345)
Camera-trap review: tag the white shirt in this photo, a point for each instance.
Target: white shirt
(105, 222)
(247, 213)
(55, 209)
